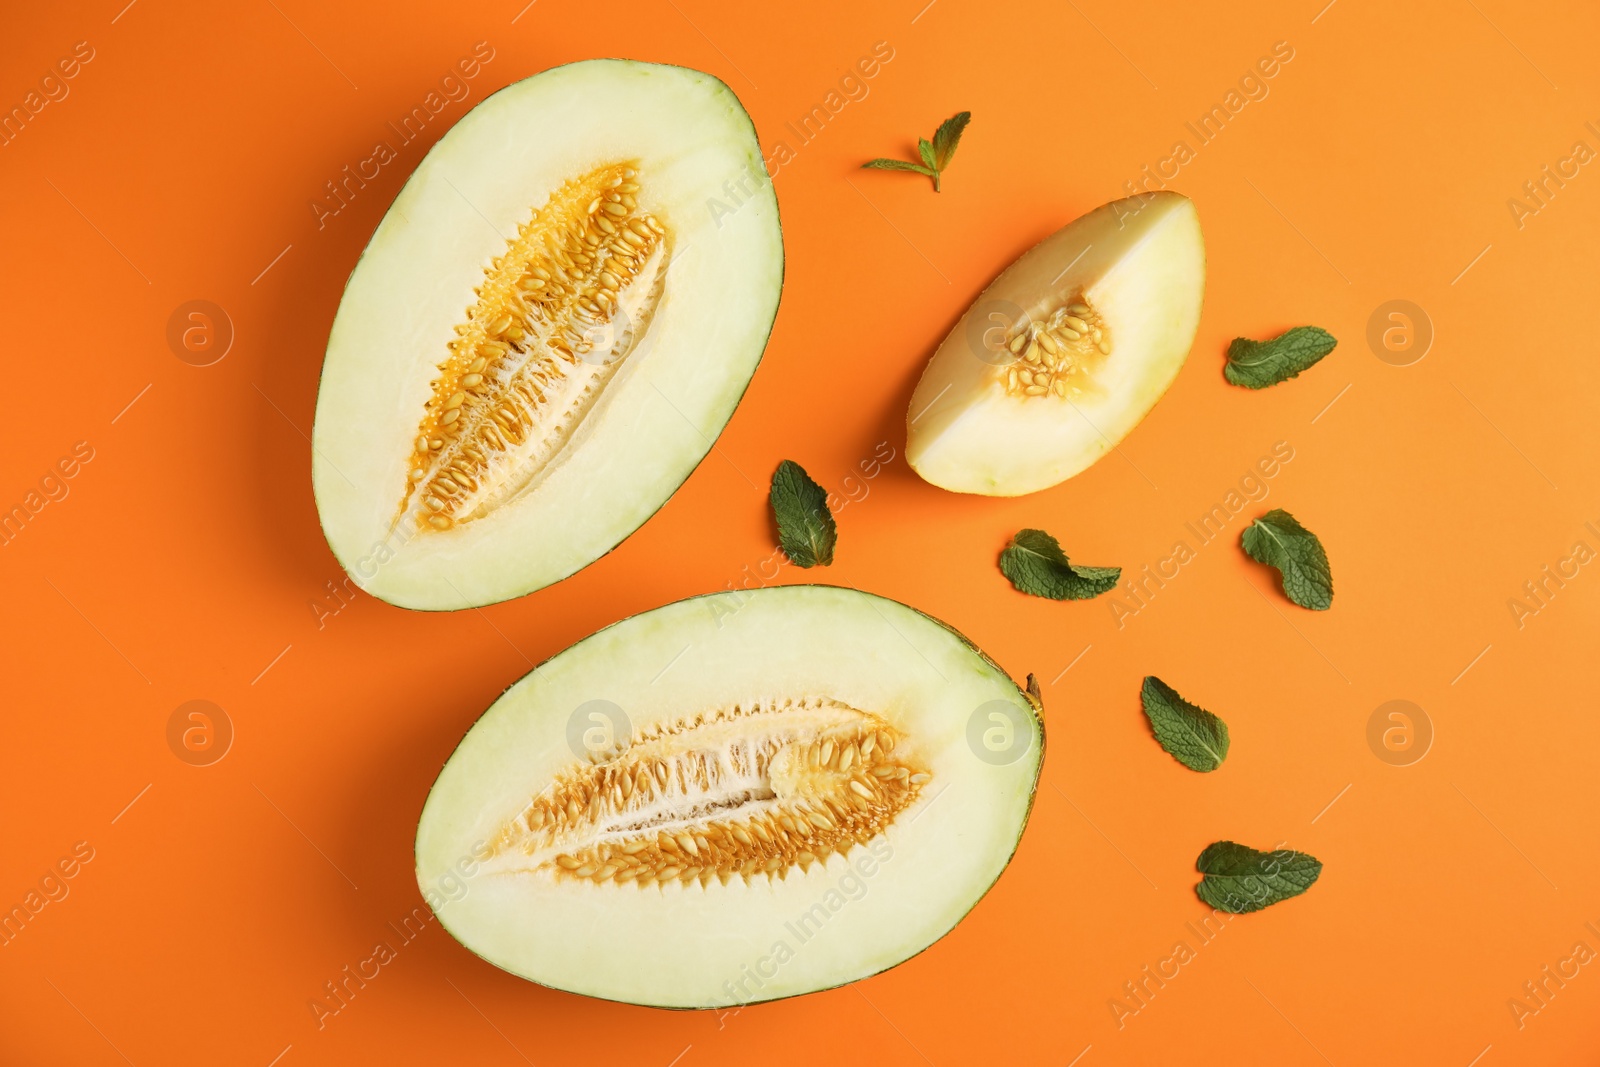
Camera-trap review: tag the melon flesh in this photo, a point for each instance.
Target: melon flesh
(1064, 353)
(546, 334)
(733, 798)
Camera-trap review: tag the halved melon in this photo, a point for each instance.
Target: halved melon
(546, 334)
(1064, 353)
(733, 798)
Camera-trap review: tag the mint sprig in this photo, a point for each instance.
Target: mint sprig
(806, 530)
(1190, 734)
(936, 154)
(1277, 540)
(1258, 364)
(1239, 879)
(1035, 564)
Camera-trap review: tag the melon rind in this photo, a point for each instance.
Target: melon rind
(692, 946)
(701, 173)
(1141, 263)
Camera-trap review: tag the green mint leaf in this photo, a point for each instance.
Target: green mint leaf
(1190, 734)
(947, 137)
(1239, 879)
(935, 154)
(897, 164)
(1258, 364)
(1277, 540)
(1036, 565)
(806, 530)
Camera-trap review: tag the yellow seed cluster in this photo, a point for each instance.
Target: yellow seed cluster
(840, 788)
(538, 309)
(1052, 352)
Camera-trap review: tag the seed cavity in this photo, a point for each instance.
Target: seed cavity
(1055, 352)
(750, 791)
(553, 324)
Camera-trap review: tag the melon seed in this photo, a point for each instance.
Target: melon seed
(810, 759)
(548, 285)
(1055, 351)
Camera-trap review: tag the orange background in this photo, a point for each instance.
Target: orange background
(187, 557)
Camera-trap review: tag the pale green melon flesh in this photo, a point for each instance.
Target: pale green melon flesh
(700, 173)
(1140, 263)
(712, 943)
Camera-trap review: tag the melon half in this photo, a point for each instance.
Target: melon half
(734, 798)
(547, 332)
(1064, 353)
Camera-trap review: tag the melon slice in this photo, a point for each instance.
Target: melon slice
(1064, 353)
(733, 798)
(546, 334)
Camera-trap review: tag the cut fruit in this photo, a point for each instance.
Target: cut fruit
(1064, 353)
(546, 334)
(733, 798)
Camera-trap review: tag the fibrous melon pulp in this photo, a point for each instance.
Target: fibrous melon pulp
(546, 333)
(733, 798)
(1064, 353)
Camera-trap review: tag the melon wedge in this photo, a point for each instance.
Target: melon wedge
(546, 334)
(1064, 353)
(733, 798)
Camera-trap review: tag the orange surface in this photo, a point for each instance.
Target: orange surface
(184, 561)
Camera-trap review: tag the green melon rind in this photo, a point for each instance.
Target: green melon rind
(782, 265)
(1035, 708)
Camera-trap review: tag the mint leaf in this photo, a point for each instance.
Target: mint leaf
(1239, 879)
(1190, 734)
(947, 137)
(936, 154)
(1258, 364)
(806, 530)
(1036, 565)
(896, 164)
(1277, 540)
